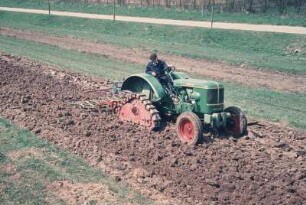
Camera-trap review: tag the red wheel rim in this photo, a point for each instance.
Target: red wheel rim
(187, 131)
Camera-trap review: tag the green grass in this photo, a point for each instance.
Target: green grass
(271, 17)
(26, 182)
(260, 103)
(72, 60)
(262, 50)
(287, 108)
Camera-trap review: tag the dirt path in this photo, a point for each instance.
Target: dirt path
(246, 76)
(202, 24)
(265, 167)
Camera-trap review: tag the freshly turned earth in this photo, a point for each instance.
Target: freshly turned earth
(266, 167)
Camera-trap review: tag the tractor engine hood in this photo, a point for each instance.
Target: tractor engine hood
(196, 83)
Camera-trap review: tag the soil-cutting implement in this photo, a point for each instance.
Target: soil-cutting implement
(197, 105)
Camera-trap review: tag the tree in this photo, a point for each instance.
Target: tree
(282, 6)
(250, 6)
(298, 5)
(265, 6)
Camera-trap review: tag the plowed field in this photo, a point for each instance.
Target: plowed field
(265, 167)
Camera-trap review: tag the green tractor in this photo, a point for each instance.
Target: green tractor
(198, 106)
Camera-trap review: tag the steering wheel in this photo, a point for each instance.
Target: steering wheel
(172, 68)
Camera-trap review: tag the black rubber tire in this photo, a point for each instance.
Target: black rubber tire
(243, 123)
(196, 134)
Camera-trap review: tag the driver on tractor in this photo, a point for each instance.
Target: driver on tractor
(158, 69)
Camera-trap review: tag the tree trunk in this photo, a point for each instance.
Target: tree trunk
(167, 3)
(298, 5)
(180, 4)
(202, 9)
(194, 4)
(233, 5)
(251, 6)
(265, 8)
(282, 6)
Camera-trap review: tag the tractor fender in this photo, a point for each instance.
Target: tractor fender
(145, 84)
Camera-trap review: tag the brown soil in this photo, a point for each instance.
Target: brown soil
(218, 71)
(265, 167)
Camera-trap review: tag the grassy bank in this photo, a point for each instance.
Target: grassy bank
(28, 165)
(170, 13)
(260, 103)
(72, 60)
(281, 52)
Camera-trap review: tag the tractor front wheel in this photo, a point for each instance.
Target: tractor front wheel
(189, 128)
(237, 123)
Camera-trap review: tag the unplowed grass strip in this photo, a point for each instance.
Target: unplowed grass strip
(218, 71)
(268, 51)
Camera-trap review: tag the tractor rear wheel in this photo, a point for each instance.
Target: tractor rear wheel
(237, 123)
(189, 128)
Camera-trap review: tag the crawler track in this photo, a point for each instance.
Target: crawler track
(266, 167)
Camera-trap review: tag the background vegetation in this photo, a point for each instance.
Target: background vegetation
(282, 52)
(226, 13)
